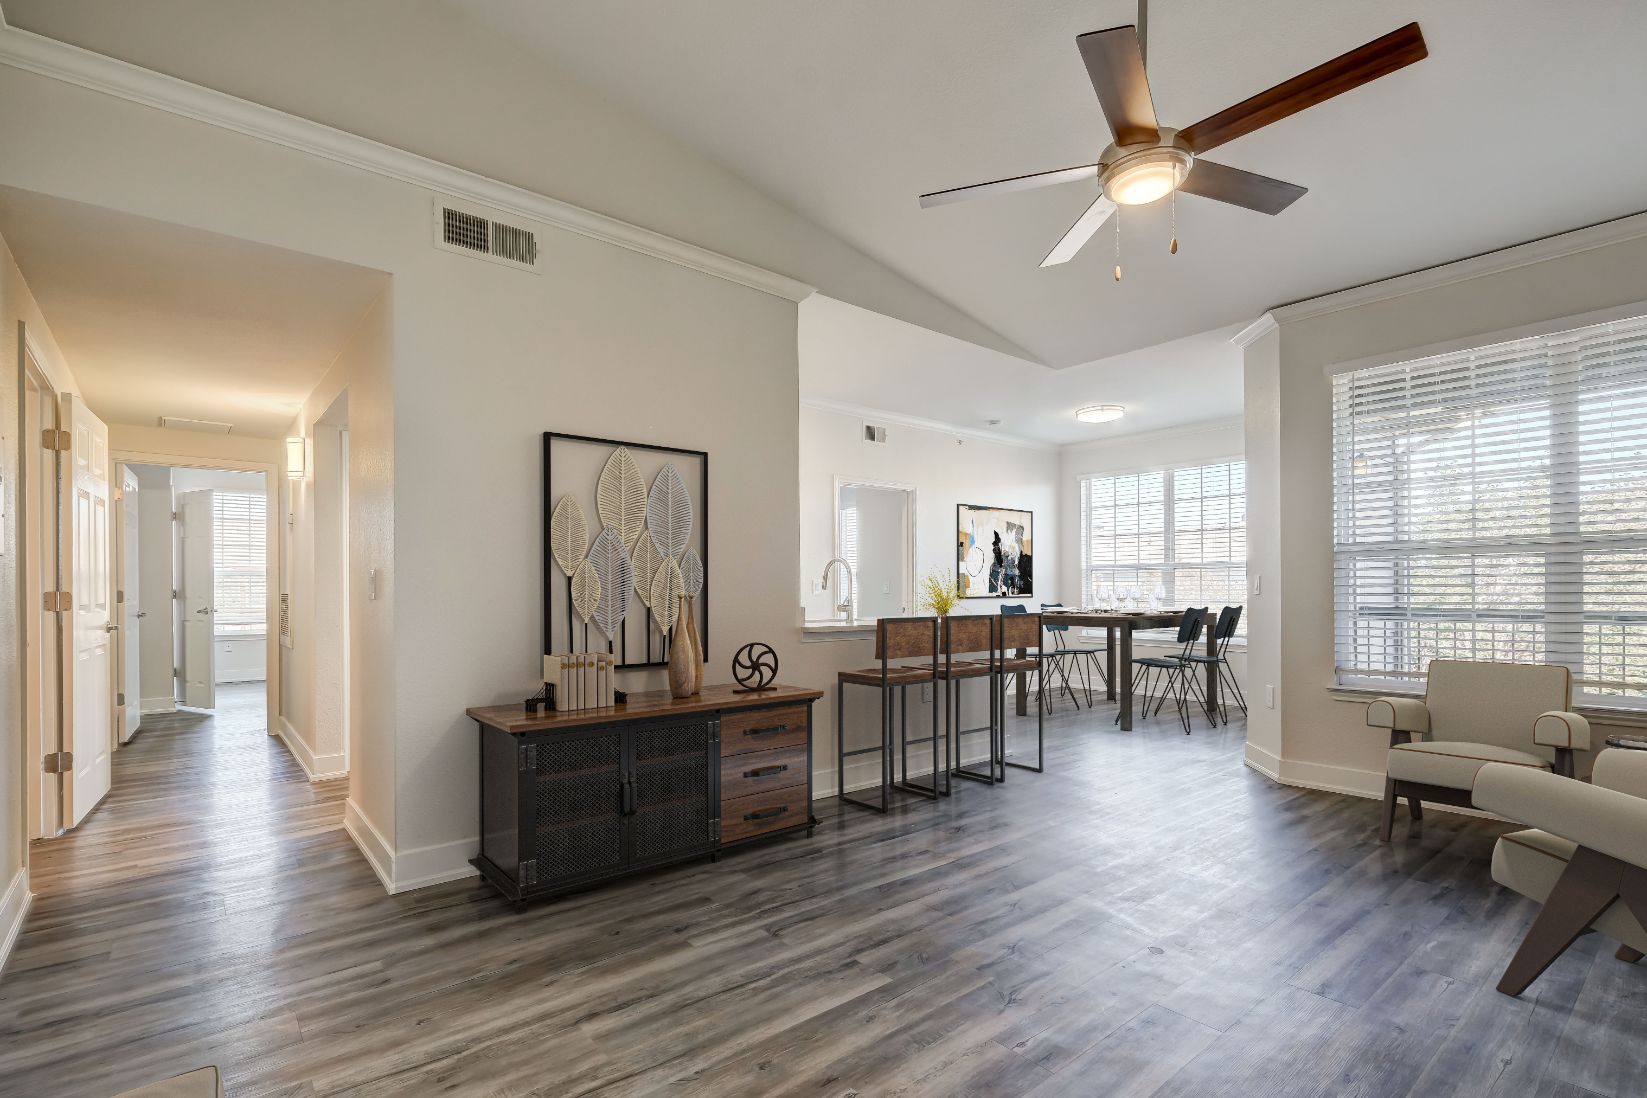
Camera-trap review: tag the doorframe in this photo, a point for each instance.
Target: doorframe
(34, 368)
(271, 549)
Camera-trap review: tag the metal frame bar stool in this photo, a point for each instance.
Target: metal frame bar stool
(1020, 631)
(1229, 618)
(895, 639)
(968, 635)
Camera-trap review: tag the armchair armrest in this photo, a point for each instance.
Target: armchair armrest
(1563, 730)
(1399, 715)
(1603, 820)
(1624, 771)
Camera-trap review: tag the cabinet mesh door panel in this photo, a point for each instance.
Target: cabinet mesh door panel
(579, 817)
(672, 775)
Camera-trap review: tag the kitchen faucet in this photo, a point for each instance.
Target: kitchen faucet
(849, 599)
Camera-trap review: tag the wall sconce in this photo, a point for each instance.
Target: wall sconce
(294, 458)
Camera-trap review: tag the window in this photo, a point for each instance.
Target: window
(238, 534)
(1184, 530)
(1491, 504)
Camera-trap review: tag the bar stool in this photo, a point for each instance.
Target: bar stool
(1222, 632)
(895, 639)
(970, 635)
(1022, 653)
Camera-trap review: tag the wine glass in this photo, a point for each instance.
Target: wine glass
(1158, 597)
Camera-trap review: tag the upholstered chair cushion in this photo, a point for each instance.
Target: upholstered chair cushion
(1605, 820)
(1495, 703)
(1624, 771)
(1452, 764)
(1530, 862)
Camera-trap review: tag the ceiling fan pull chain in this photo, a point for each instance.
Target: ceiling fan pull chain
(1174, 249)
(1117, 244)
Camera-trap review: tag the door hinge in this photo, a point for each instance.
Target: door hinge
(53, 439)
(174, 594)
(120, 698)
(176, 517)
(120, 596)
(58, 601)
(58, 762)
(528, 873)
(528, 757)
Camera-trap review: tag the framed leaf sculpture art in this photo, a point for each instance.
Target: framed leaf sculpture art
(669, 512)
(610, 561)
(568, 534)
(620, 495)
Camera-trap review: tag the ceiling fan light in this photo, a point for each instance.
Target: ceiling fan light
(1100, 413)
(1146, 176)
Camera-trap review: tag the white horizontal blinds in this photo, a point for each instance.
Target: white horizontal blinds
(238, 539)
(1492, 504)
(1182, 529)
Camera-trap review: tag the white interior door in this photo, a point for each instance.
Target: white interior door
(88, 695)
(130, 701)
(196, 599)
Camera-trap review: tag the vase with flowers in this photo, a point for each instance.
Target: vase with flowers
(940, 593)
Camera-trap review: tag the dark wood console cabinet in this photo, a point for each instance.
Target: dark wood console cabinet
(568, 800)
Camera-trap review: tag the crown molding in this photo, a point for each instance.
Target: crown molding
(1160, 434)
(56, 60)
(1255, 331)
(881, 415)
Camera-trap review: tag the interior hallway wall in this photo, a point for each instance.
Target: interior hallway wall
(157, 578)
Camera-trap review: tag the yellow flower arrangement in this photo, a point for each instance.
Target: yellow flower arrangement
(939, 592)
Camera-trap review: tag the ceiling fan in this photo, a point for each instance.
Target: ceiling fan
(1148, 161)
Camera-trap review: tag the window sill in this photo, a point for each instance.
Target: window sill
(1615, 716)
(240, 636)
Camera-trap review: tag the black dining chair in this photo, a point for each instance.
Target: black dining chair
(1157, 678)
(1229, 618)
(1064, 655)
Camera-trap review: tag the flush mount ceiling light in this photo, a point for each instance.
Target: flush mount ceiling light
(1100, 413)
(1148, 173)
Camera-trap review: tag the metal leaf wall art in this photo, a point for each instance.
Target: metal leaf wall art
(645, 564)
(610, 561)
(692, 574)
(669, 512)
(568, 534)
(585, 590)
(666, 595)
(620, 496)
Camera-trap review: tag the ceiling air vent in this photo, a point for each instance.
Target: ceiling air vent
(210, 427)
(470, 232)
(875, 434)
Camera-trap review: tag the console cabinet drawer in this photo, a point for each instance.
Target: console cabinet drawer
(763, 729)
(754, 771)
(771, 810)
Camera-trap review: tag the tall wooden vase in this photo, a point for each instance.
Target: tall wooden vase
(683, 663)
(697, 643)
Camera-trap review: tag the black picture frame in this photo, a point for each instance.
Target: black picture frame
(961, 572)
(550, 569)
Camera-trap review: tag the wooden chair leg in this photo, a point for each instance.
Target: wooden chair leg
(1386, 825)
(1627, 955)
(1415, 809)
(1587, 887)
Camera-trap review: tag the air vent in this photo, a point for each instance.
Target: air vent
(204, 425)
(286, 619)
(875, 434)
(474, 233)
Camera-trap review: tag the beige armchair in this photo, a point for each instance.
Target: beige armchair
(1473, 714)
(1586, 862)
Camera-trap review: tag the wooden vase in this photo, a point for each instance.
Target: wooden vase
(683, 661)
(697, 643)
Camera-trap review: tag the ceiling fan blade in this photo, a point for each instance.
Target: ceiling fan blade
(1080, 232)
(1006, 186)
(1116, 66)
(1362, 65)
(1254, 192)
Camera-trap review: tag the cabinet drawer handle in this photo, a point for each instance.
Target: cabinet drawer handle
(766, 771)
(769, 814)
(768, 730)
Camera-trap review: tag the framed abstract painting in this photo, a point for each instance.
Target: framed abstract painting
(995, 552)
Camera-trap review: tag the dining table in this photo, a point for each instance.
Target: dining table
(1119, 626)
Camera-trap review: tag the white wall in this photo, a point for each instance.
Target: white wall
(945, 469)
(157, 577)
(241, 658)
(1314, 738)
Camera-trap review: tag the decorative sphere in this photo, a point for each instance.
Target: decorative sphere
(755, 666)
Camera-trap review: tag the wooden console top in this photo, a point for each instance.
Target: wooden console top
(641, 705)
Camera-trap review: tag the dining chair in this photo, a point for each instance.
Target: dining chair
(1229, 618)
(1084, 658)
(1157, 678)
(895, 639)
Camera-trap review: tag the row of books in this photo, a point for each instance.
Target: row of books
(582, 680)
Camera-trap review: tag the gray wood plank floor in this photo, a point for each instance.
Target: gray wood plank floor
(1147, 918)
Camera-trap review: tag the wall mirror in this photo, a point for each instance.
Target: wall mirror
(875, 534)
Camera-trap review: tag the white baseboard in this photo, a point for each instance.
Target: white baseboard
(14, 908)
(249, 676)
(319, 768)
(1335, 779)
(158, 705)
(416, 868)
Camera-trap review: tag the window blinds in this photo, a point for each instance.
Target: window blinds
(1184, 530)
(238, 538)
(1491, 504)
